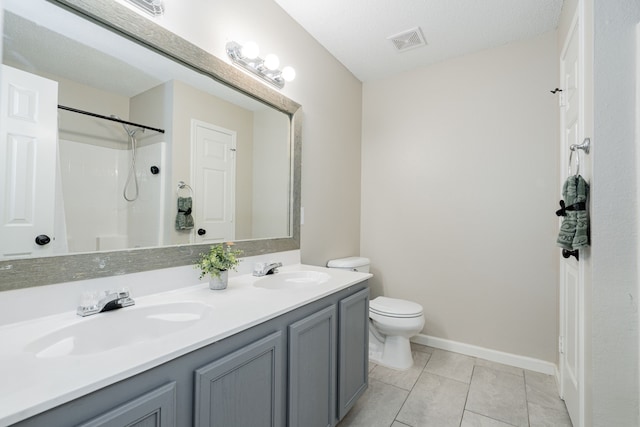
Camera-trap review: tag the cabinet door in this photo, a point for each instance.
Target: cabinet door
(242, 389)
(353, 350)
(312, 370)
(154, 409)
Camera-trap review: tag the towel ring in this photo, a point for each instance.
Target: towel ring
(585, 146)
(181, 186)
(577, 162)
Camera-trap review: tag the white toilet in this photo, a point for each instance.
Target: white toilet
(392, 322)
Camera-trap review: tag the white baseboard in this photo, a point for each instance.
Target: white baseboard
(523, 362)
(558, 386)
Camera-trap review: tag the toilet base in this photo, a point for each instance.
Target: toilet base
(393, 353)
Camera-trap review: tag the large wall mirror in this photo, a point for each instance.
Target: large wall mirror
(127, 149)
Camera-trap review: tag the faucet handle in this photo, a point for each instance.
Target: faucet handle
(89, 298)
(124, 292)
(258, 267)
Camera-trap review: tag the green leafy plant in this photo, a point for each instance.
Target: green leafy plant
(220, 257)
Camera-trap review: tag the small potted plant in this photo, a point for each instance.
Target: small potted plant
(217, 262)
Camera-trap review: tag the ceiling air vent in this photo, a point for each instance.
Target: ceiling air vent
(152, 7)
(408, 39)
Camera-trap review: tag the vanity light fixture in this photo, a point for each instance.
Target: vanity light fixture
(152, 7)
(267, 69)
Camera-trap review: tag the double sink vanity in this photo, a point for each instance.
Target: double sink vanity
(284, 349)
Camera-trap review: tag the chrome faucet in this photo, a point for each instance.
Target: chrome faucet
(264, 268)
(92, 303)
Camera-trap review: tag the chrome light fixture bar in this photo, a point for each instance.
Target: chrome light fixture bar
(267, 69)
(152, 7)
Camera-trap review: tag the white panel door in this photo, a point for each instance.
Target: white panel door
(28, 139)
(571, 343)
(214, 182)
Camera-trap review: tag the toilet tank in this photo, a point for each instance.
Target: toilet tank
(353, 263)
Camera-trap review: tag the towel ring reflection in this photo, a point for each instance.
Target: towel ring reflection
(585, 146)
(181, 186)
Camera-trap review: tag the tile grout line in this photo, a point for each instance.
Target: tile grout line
(526, 396)
(491, 418)
(466, 398)
(504, 372)
(399, 388)
(395, 418)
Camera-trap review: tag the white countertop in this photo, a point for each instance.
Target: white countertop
(30, 384)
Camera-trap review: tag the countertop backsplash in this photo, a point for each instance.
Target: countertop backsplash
(25, 304)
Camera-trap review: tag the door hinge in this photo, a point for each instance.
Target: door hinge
(561, 100)
(561, 97)
(561, 344)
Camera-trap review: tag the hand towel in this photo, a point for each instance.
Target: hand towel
(184, 220)
(574, 231)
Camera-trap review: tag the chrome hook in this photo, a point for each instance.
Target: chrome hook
(585, 146)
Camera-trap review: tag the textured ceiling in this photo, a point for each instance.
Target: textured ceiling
(356, 32)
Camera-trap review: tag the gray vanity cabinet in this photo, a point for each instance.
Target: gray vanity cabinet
(154, 409)
(353, 360)
(312, 370)
(328, 362)
(243, 388)
(304, 368)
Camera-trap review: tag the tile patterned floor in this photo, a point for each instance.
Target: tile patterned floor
(448, 389)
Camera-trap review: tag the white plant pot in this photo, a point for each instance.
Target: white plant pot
(220, 282)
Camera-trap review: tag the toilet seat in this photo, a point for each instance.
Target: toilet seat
(393, 307)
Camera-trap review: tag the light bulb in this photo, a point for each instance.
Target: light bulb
(271, 62)
(288, 73)
(250, 50)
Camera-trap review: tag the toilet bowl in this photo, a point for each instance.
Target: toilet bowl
(392, 322)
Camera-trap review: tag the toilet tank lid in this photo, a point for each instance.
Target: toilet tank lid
(394, 306)
(350, 262)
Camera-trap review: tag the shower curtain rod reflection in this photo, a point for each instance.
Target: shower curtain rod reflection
(87, 113)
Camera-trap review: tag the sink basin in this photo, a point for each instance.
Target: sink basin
(292, 280)
(117, 328)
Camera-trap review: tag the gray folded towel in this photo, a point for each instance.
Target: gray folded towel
(574, 232)
(184, 219)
